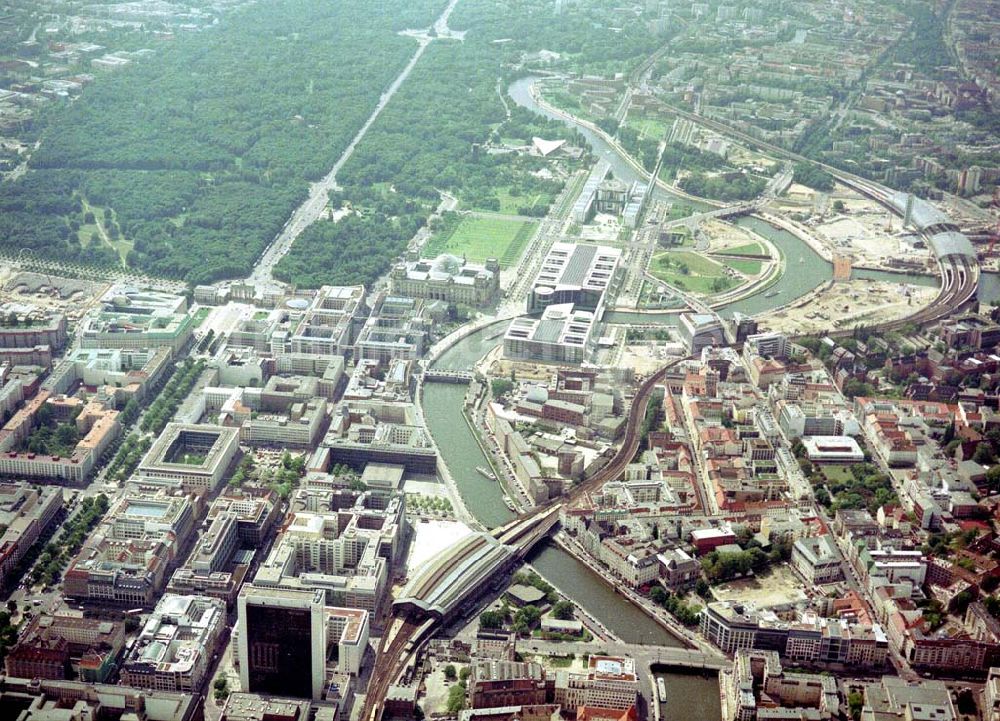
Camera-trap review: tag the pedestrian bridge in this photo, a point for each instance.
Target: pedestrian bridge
(729, 211)
(461, 377)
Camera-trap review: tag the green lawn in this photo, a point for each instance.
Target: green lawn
(690, 271)
(200, 316)
(124, 247)
(87, 230)
(566, 101)
(748, 267)
(650, 127)
(836, 472)
(747, 249)
(512, 204)
(678, 211)
(191, 459)
(121, 246)
(482, 237)
(699, 264)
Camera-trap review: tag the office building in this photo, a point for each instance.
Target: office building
(991, 695)
(611, 197)
(238, 525)
(124, 329)
(583, 208)
(282, 641)
(254, 707)
(700, 330)
(608, 682)
(61, 646)
(757, 687)
(345, 553)
(300, 427)
(191, 456)
(733, 626)
(376, 432)
(576, 274)
(347, 630)
(768, 345)
(817, 560)
(507, 683)
(833, 449)
(33, 699)
(397, 329)
(563, 334)
(174, 649)
(124, 561)
(328, 323)
(48, 331)
(130, 371)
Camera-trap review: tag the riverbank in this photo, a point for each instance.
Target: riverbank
(618, 148)
(461, 452)
(661, 617)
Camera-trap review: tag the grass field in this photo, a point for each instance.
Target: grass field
(836, 472)
(482, 237)
(650, 127)
(749, 267)
(200, 316)
(747, 249)
(679, 211)
(567, 101)
(512, 204)
(691, 272)
(121, 246)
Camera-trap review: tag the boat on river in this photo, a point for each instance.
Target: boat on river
(772, 294)
(661, 690)
(486, 472)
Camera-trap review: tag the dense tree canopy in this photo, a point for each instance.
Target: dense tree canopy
(190, 161)
(204, 149)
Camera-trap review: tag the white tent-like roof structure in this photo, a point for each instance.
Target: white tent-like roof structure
(545, 147)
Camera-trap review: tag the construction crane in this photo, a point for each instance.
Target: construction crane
(990, 251)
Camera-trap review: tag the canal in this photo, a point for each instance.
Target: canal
(584, 586)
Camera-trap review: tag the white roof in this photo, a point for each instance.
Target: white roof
(547, 146)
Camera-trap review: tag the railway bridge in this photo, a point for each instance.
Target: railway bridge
(446, 588)
(450, 585)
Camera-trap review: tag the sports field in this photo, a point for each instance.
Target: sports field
(480, 237)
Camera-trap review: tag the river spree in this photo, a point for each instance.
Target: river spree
(805, 269)
(443, 412)
(690, 696)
